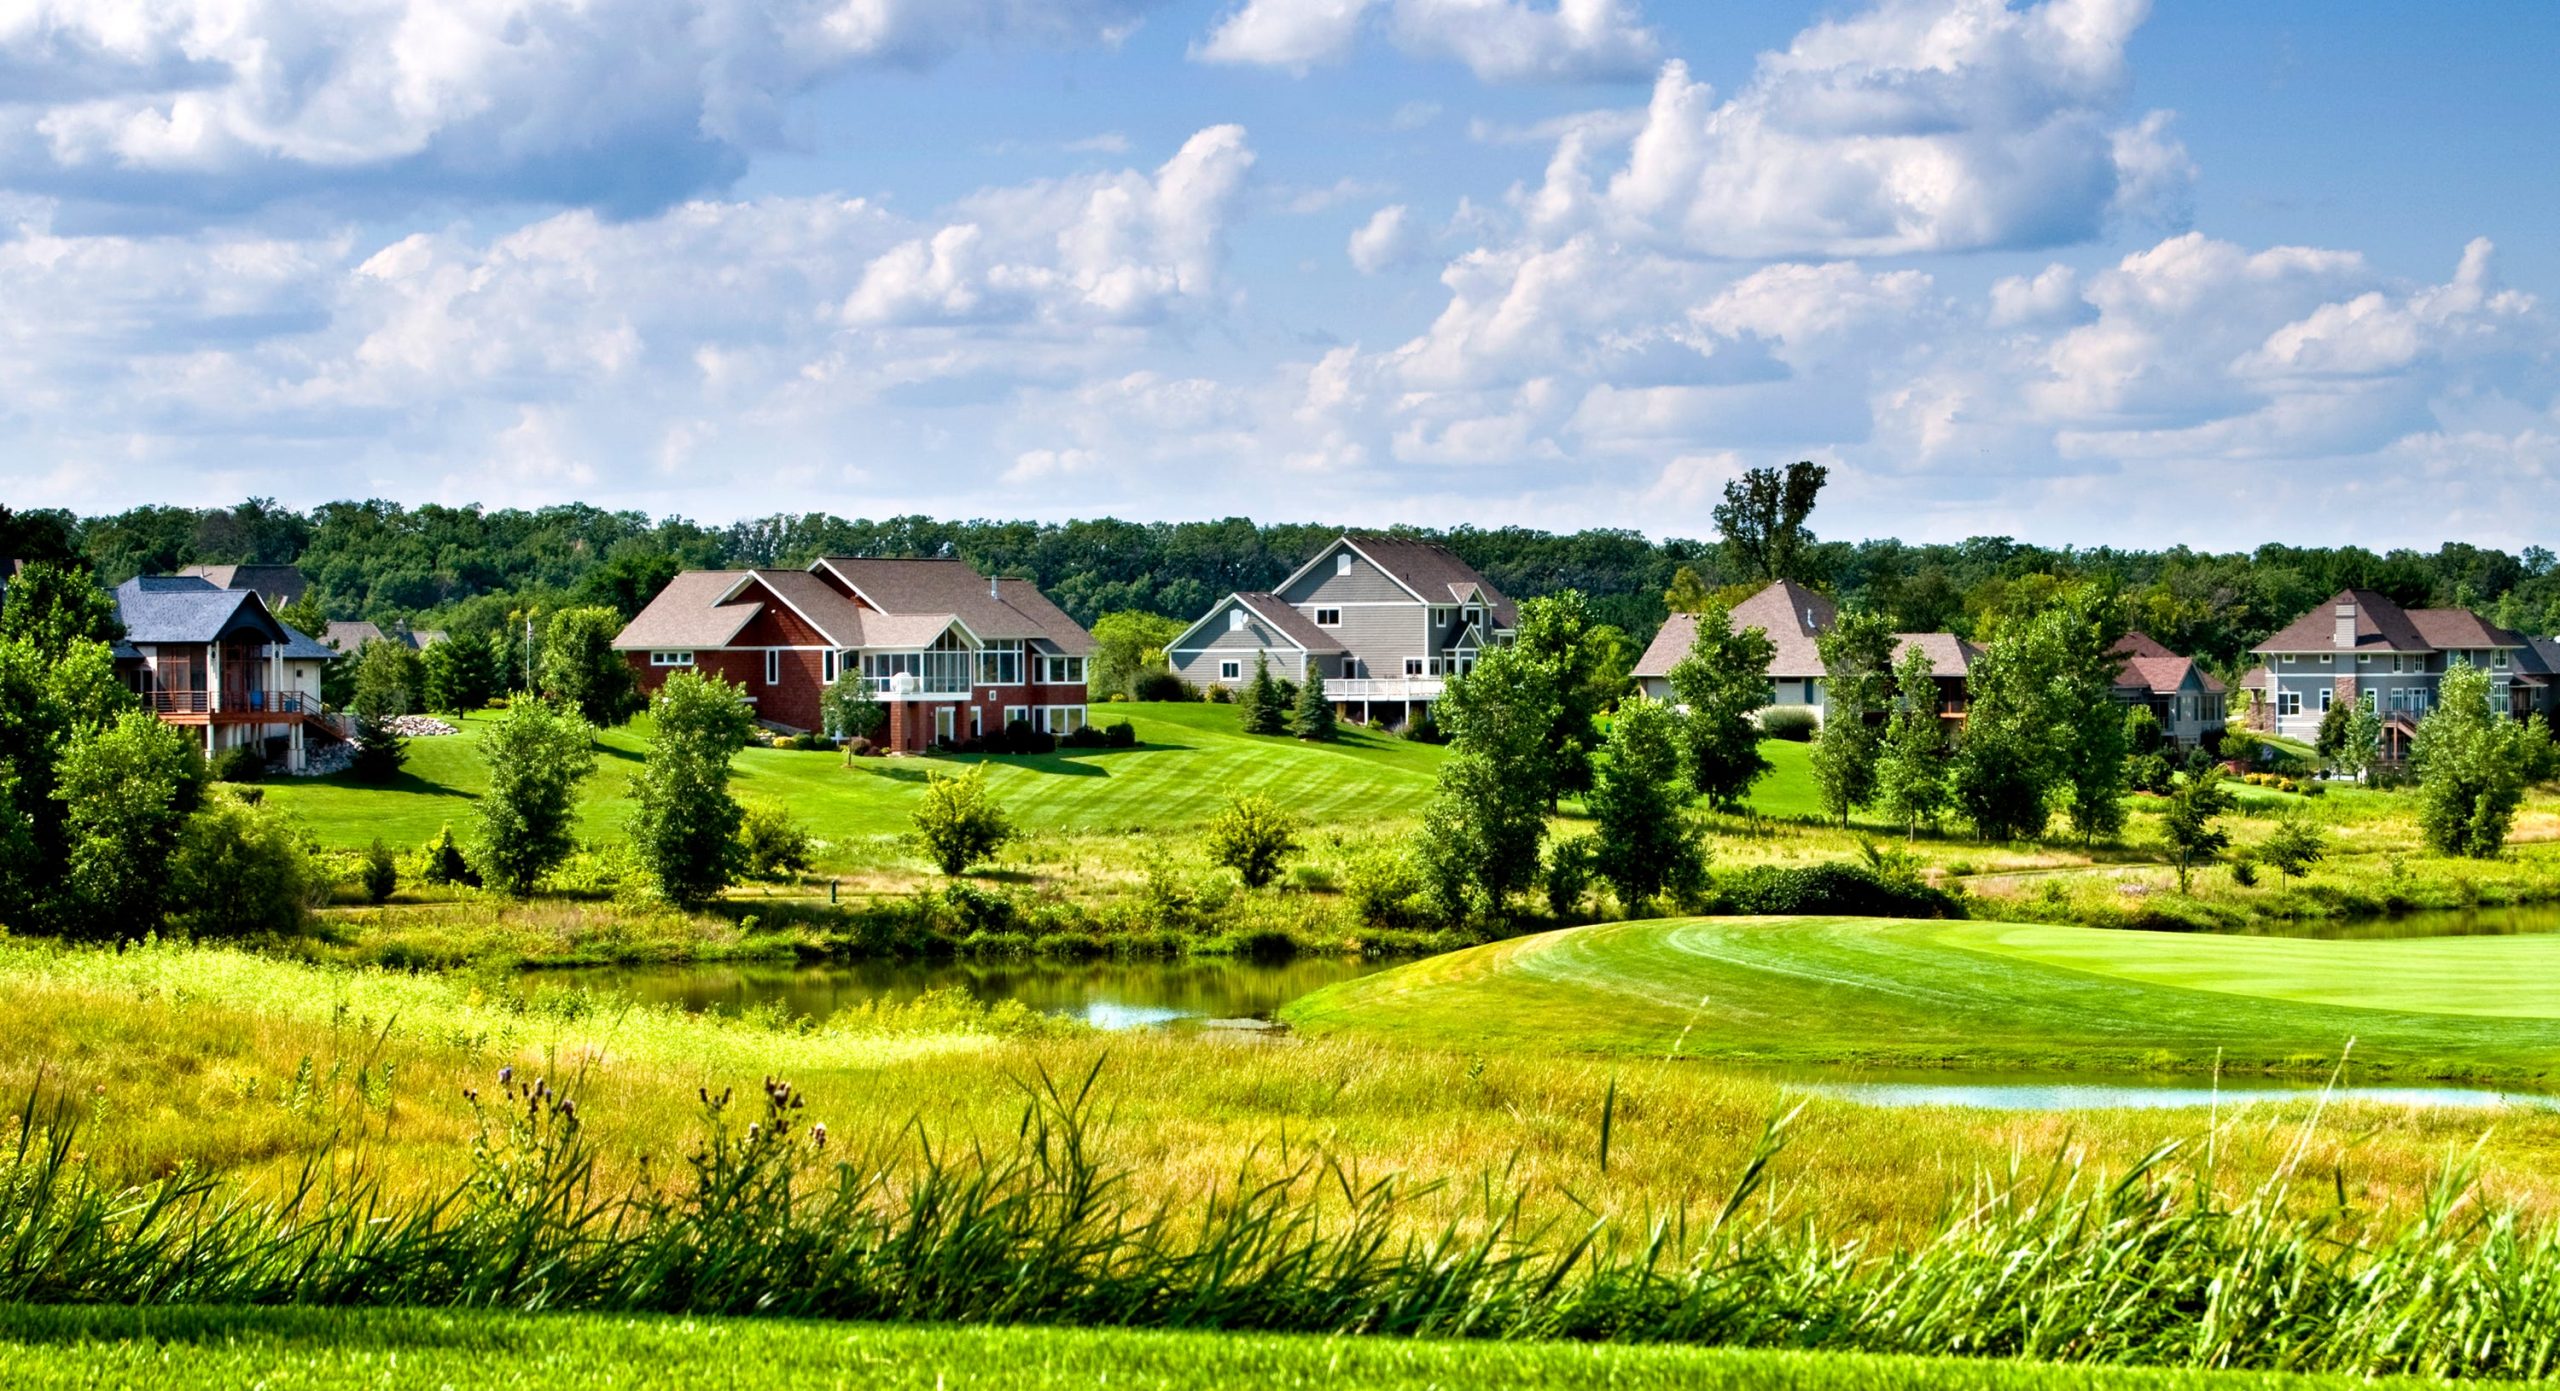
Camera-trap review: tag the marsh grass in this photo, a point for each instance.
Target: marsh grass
(2049, 1258)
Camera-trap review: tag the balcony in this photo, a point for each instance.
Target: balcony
(233, 705)
(1403, 688)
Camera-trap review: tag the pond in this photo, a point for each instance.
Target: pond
(1107, 995)
(2449, 922)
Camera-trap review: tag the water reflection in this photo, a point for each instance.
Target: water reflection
(2450, 922)
(1106, 995)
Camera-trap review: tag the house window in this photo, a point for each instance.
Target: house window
(773, 666)
(1440, 617)
(1235, 620)
(2326, 694)
(1342, 563)
(829, 664)
(2328, 659)
(2364, 659)
(2288, 702)
(977, 722)
(1474, 615)
(1230, 671)
(946, 723)
(2287, 659)
(1063, 719)
(671, 659)
(1328, 618)
(1413, 666)
(1013, 713)
(2498, 659)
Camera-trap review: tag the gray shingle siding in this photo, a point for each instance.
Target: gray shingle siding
(1366, 584)
(1196, 661)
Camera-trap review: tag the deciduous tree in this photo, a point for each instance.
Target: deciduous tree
(1762, 518)
(1481, 831)
(1857, 666)
(1252, 836)
(1556, 632)
(2472, 765)
(537, 754)
(1722, 684)
(581, 670)
(126, 789)
(684, 823)
(959, 823)
(1911, 765)
(2188, 822)
(1646, 845)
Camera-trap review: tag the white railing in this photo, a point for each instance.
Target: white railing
(1391, 688)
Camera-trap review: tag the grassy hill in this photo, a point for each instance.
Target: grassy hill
(1190, 759)
(1975, 994)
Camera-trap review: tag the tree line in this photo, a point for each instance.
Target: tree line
(469, 569)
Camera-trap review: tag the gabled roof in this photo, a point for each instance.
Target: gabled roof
(694, 610)
(1793, 616)
(1949, 655)
(1057, 631)
(2151, 668)
(1430, 572)
(1293, 625)
(837, 618)
(2458, 629)
(2380, 626)
(1003, 611)
(277, 584)
(188, 609)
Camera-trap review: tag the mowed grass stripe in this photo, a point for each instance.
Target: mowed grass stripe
(313, 1350)
(2515, 977)
(1191, 759)
(1988, 995)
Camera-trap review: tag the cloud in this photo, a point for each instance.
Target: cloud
(214, 105)
(1919, 126)
(1390, 240)
(1115, 248)
(1497, 40)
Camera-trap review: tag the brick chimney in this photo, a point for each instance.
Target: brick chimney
(2347, 624)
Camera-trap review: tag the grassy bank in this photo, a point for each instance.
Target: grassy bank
(1977, 995)
(221, 1062)
(1190, 759)
(326, 1350)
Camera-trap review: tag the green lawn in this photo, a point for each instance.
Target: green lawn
(294, 1349)
(1190, 759)
(1972, 994)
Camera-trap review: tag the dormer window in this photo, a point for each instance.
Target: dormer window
(1342, 563)
(1235, 619)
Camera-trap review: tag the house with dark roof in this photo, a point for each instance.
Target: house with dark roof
(2185, 698)
(951, 653)
(277, 585)
(2362, 646)
(218, 660)
(1383, 621)
(350, 636)
(1793, 617)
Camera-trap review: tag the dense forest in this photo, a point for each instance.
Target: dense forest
(467, 568)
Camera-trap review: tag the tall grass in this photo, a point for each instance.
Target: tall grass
(764, 1214)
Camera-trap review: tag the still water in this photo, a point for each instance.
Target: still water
(1106, 995)
(2451, 922)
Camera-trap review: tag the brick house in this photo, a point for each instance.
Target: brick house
(951, 654)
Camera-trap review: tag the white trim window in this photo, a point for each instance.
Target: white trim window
(671, 659)
(2288, 702)
(1062, 671)
(1235, 619)
(2328, 696)
(1413, 666)
(1231, 670)
(773, 666)
(1016, 712)
(1342, 563)
(1440, 617)
(830, 666)
(1063, 719)
(977, 722)
(1328, 618)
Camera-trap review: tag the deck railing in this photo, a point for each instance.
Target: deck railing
(165, 702)
(1385, 688)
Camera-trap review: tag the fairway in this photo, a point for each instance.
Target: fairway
(308, 1350)
(1964, 994)
(1190, 759)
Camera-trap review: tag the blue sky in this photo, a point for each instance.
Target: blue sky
(2087, 271)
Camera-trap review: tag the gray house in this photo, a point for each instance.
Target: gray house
(212, 659)
(1383, 621)
(2361, 646)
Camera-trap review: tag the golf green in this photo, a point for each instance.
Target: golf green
(2007, 996)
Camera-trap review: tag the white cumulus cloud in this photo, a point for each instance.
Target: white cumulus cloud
(1497, 40)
